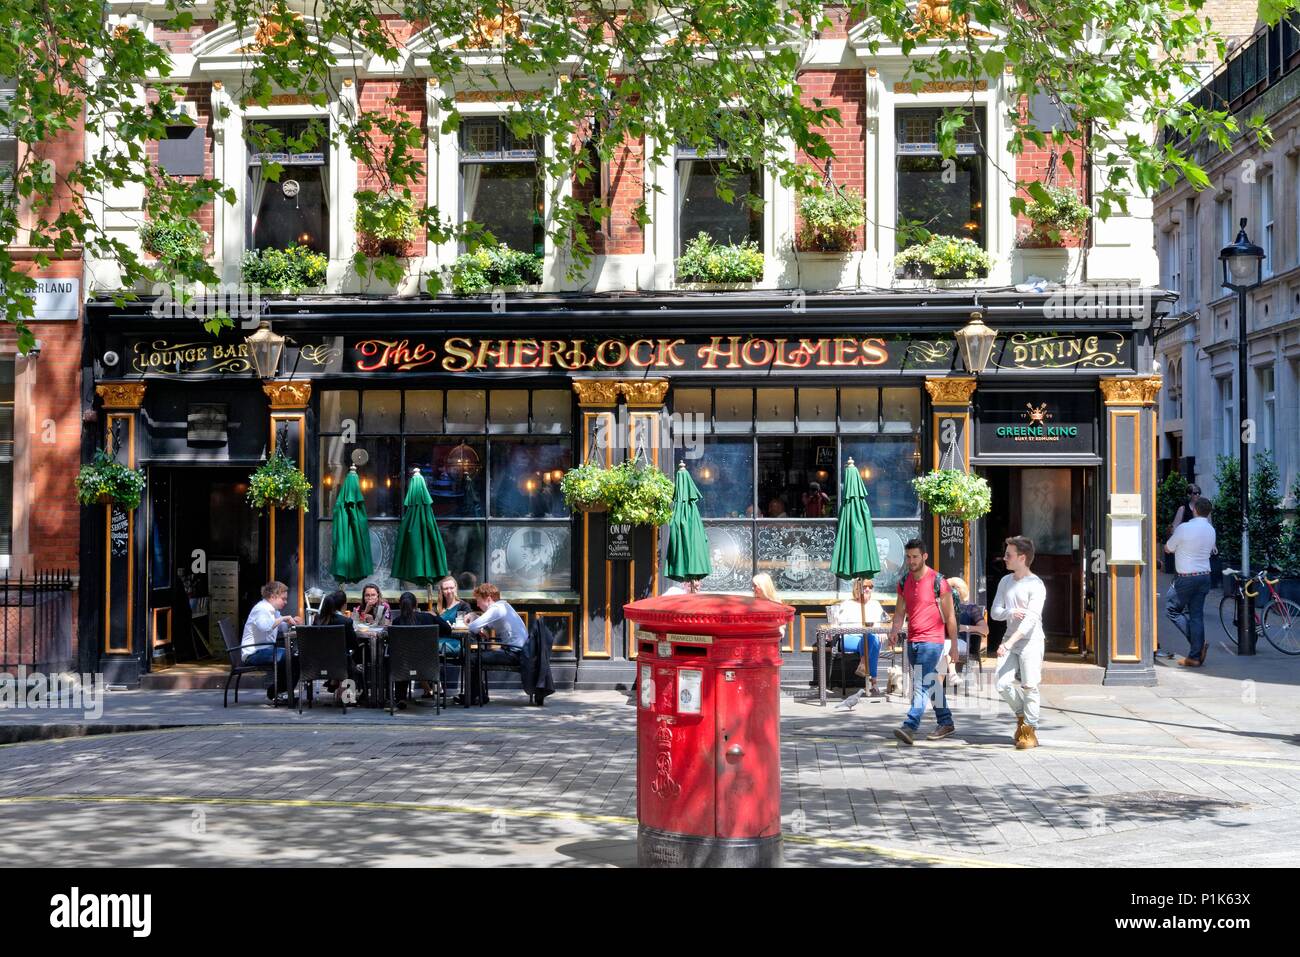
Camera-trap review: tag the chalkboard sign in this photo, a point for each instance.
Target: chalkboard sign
(618, 543)
(952, 541)
(120, 533)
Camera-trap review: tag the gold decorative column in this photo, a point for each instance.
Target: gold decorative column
(1130, 466)
(121, 402)
(951, 541)
(286, 545)
(645, 402)
(596, 401)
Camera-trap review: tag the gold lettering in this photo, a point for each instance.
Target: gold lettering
(456, 349)
(668, 353)
(497, 349)
(525, 353)
(765, 355)
(844, 352)
(634, 353)
(603, 357)
(875, 352)
(577, 357)
(715, 351)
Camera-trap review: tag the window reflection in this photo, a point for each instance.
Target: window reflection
(887, 465)
(725, 476)
(526, 475)
(453, 471)
(797, 478)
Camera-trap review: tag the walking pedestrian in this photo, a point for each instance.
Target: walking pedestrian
(1191, 544)
(1019, 601)
(925, 604)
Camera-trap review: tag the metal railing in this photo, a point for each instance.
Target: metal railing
(1268, 55)
(36, 616)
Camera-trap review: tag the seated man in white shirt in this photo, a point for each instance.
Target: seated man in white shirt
(264, 624)
(1191, 544)
(497, 614)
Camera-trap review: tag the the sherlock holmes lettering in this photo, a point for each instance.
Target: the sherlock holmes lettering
(719, 352)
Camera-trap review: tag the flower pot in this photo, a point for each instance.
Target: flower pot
(592, 508)
(927, 271)
(104, 499)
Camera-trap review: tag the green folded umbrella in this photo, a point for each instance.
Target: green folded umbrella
(419, 556)
(688, 546)
(352, 558)
(855, 538)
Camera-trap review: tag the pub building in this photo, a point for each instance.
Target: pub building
(763, 397)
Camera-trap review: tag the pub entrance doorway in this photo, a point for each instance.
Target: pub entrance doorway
(205, 560)
(1052, 506)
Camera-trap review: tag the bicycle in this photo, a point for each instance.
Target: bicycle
(1280, 621)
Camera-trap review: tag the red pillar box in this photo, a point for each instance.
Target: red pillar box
(708, 730)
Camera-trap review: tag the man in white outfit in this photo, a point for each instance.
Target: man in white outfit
(1019, 602)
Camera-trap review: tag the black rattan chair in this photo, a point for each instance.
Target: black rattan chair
(414, 655)
(238, 667)
(323, 656)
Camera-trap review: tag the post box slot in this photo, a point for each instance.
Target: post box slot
(647, 647)
(691, 650)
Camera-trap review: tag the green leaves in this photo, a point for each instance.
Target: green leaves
(492, 267)
(284, 270)
(707, 261)
(105, 480)
(962, 495)
(830, 220)
(278, 483)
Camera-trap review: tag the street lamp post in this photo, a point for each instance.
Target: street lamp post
(1243, 266)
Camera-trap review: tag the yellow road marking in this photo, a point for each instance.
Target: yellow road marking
(575, 816)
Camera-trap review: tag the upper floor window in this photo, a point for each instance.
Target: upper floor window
(1266, 221)
(295, 210)
(1171, 260)
(714, 198)
(8, 146)
(1191, 258)
(1223, 216)
(500, 183)
(945, 196)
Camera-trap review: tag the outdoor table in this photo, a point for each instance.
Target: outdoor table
(376, 686)
(827, 633)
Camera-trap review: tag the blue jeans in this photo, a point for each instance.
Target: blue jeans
(262, 656)
(1185, 607)
(853, 645)
(925, 655)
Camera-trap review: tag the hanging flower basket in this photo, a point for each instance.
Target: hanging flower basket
(638, 494)
(278, 483)
(583, 488)
(955, 493)
(106, 481)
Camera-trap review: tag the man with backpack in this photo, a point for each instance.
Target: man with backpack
(925, 604)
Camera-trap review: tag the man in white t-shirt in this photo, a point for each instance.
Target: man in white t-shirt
(1019, 602)
(1191, 544)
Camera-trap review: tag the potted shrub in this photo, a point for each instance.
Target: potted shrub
(705, 261)
(278, 483)
(104, 481)
(1057, 212)
(943, 257)
(386, 225)
(962, 495)
(583, 488)
(1170, 494)
(1227, 518)
(830, 222)
(173, 242)
(494, 267)
(638, 494)
(284, 270)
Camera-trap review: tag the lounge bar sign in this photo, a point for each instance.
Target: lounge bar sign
(163, 357)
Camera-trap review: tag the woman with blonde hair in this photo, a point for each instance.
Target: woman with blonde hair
(865, 610)
(764, 587)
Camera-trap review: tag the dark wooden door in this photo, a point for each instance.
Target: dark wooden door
(1047, 506)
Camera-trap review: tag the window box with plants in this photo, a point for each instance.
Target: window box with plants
(706, 263)
(175, 244)
(491, 268)
(1055, 214)
(943, 257)
(961, 495)
(278, 483)
(830, 222)
(386, 225)
(106, 481)
(293, 270)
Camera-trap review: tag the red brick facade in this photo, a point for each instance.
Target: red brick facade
(845, 90)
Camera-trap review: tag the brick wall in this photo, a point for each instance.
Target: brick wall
(403, 98)
(200, 94)
(845, 90)
(1032, 166)
(182, 41)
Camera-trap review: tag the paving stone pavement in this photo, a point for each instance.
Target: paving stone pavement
(515, 786)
